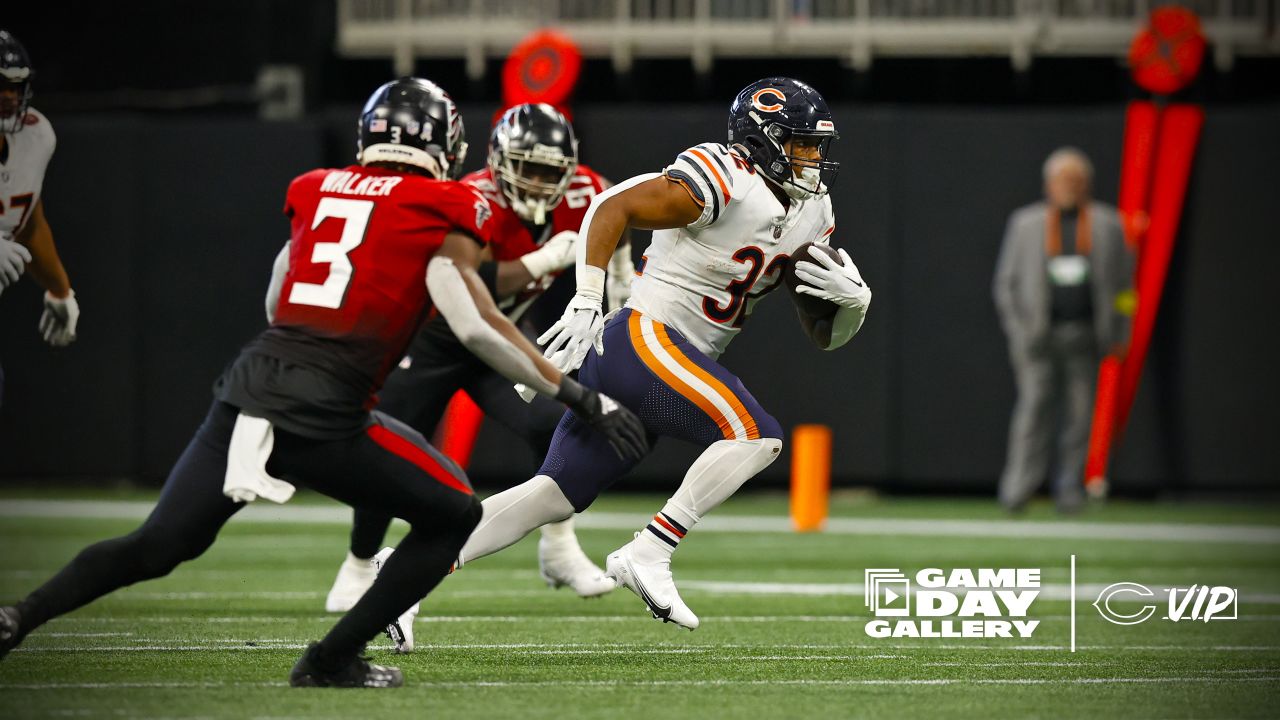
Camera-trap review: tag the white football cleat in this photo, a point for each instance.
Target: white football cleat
(562, 563)
(353, 581)
(652, 582)
(401, 630)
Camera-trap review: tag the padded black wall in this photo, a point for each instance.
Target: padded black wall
(168, 228)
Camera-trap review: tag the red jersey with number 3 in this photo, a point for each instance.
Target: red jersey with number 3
(361, 241)
(354, 294)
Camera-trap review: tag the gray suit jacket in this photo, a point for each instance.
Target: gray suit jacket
(1021, 287)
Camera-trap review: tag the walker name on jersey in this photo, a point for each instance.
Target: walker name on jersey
(345, 182)
(998, 598)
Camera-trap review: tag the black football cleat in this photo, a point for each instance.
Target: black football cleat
(357, 672)
(10, 630)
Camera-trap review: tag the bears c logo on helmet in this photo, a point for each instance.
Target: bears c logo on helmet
(758, 103)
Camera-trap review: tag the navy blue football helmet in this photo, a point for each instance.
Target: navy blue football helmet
(15, 78)
(533, 156)
(785, 128)
(412, 121)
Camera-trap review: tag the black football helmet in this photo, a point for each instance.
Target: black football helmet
(15, 83)
(533, 156)
(775, 114)
(413, 122)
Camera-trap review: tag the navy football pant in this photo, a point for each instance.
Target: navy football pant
(676, 390)
(388, 467)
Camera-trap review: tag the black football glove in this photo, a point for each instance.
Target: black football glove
(623, 429)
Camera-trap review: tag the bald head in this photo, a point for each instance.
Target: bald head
(1068, 175)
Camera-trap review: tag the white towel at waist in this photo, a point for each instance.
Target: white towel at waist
(247, 479)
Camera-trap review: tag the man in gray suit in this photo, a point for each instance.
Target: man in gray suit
(1061, 283)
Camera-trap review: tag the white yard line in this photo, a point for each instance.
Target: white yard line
(922, 527)
(679, 683)
(154, 644)
(426, 619)
(1048, 591)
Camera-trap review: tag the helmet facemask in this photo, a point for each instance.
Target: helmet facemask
(15, 96)
(802, 169)
(532, 181)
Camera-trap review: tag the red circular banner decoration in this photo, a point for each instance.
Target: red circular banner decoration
(543, 68)
(1166, 55)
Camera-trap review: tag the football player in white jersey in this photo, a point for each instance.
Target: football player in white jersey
(26, 242)
(727, 219)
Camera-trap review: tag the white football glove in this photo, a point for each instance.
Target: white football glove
(58, 322)
(555, 254)
(828, 280)
(13, 260)
(578, 329)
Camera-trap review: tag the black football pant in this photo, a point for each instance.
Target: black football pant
(419, 395)
(388, 468)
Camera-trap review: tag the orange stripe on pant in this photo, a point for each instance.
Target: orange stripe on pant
(684, 389)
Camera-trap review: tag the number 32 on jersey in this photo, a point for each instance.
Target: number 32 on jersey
(741, 299)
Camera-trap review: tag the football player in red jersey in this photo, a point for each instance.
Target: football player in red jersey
(539, 194)
(373, 247)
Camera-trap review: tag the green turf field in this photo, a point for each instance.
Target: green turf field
(782, 620)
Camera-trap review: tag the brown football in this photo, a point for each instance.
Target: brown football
(815, 308)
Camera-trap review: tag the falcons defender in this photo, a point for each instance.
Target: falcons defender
(26, 242)
(373, 247)
(539, 193)
(727, 218)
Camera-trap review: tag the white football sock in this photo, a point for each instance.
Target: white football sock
(512, 514)
(713, 478)
(560, 532)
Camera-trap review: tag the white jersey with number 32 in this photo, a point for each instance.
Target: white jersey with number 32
(23, 162)
(704, 279)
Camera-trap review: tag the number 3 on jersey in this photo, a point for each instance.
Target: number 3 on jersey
(355, 216)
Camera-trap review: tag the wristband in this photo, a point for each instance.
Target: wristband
(590, 281)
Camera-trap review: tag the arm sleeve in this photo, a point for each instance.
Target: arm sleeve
(279, 269)
(452, 297)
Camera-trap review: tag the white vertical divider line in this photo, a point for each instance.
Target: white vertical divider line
(1073, 603)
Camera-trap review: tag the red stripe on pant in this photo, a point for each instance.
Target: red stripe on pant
(403, 448)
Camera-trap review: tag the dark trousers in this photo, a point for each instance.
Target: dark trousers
(420, 393)
(388, 468)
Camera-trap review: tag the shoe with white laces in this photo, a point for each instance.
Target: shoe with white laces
(649, 576)
(401, 629)
(563, 564)
(353, 581)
